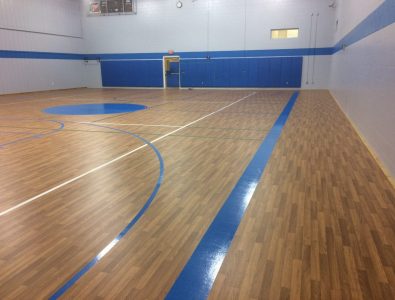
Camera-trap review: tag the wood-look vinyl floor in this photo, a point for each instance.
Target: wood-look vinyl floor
(320, 225)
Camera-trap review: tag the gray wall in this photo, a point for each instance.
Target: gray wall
(37, 26)
(363, 80)
(215, 25)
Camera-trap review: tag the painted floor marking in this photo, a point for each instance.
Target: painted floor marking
(122, 124)
(36, 135)
(65, 287)
(197, 278)
(32, 199)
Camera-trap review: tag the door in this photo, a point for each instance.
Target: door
(171, 71)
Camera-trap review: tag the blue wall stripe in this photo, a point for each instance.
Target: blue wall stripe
(214, 54)
(380, 18)
(39, 55)
(159, 56)
(383, 16)
(197, 277)
(63, 289)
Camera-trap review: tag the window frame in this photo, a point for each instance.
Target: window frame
(286, 30)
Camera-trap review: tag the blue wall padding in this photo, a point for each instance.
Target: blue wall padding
(264, 72)
(243, 72)
(137, 73)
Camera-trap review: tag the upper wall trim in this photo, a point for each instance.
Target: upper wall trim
(39, 55)
(145, 56)
(380, 18)
(215, 54)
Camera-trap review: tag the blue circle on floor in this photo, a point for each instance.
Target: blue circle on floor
(94, 109)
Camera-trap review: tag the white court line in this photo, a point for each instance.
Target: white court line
(120, 124)
(115, 159)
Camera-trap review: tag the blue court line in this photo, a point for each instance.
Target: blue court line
(196, 279)
(35, 136)
(63, 289)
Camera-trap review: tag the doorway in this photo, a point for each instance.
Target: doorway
(171, 72)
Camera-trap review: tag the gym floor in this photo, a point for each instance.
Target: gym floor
(113, 206)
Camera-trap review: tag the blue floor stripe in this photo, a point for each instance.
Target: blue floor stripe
(115, 241)
(196, 279)
(34, 136)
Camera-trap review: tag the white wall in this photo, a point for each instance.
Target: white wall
(28, 75)
(55, 26)
(360, 78)
(207, 25)
(316, 72)
(45, 26)
(350, 13)
(214, 25)
(362, 81)
(92, 74)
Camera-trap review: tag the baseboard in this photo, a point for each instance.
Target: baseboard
(131, 88)
(203, 88)
(374, 154)
(239, 89)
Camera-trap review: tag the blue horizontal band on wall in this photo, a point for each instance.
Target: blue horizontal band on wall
(39, 55)
(380, 18)
(214, 54)
(146, 56)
